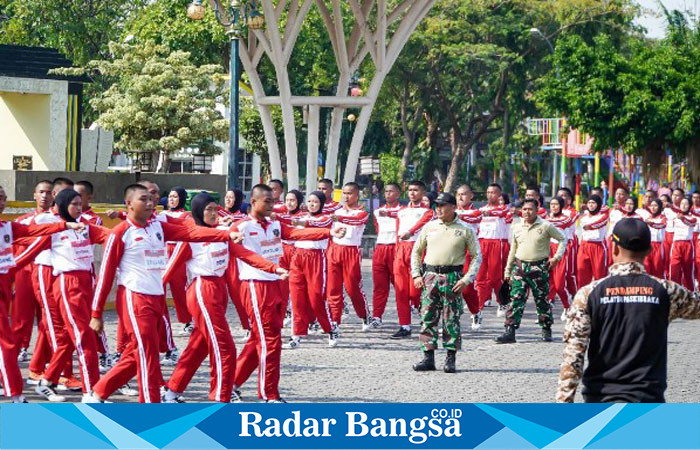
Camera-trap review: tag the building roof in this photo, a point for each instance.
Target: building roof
(34, 62)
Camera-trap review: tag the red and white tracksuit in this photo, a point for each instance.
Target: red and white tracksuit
(572, 246)
(671, 213)
(307, 280)
(287, 249)
(9, 231)
(471, 217)
(206, 300)
(493, 240)
(72, 261)
(331, 207)
(233, 284)
(383, 258)
(681, 259)
(410, 219)
(616, 214)
(264, 303)
(655, 263)
(696, 214)
(344, 259)
(178, 280)
(557, 276)
(592, 258)
(136, 255)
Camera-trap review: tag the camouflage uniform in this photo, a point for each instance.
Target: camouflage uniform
(437, 301)
(577, 332)
(534, 276)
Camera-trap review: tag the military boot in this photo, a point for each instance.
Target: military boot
(508, 337)
(547, 334)
(428, 362)
(450, 362)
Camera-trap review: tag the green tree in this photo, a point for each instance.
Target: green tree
(158, 101)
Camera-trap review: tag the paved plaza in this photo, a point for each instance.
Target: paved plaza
(371, 367)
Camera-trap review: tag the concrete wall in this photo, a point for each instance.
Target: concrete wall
(33, 122)
(109, 187)
(95, 149)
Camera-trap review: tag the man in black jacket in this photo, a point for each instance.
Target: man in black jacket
(622, 321)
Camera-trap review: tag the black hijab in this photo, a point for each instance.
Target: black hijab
(321, 198)
(561, 203)
(660, 204)
(237, 202)
(182, 195)
(599, 202)
(199, 202)
(62, 201)
(300, 200)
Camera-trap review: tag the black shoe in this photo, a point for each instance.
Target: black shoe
(428, 362)
(401, 333)
(450, 362)
(547, 334)
(508, 337)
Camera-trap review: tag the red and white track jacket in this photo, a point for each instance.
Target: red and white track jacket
(471, 217)
(616, 214)
(563, 222)
(574, 216)
(657, 226)
(685, 227)
(593, 226)
(89, 216)
(331, 206)
(411, 219)
(354, 221)
(644, 213)
(137, 257)
(265, 239)
(671, 213)
(386, 225)
(11, 231)
(493, 223)
(311, 221)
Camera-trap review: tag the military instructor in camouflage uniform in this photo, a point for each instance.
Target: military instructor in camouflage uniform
(528, 267)
(440, 276)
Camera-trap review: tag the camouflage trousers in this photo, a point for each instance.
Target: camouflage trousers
(529, 276)
(438, 300)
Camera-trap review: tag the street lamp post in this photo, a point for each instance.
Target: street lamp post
(252, 19)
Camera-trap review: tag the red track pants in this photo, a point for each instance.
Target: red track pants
(206, 300)
(571, 280)
(73, 291)
(469, 294)
(266, 308)
(24, 307)
(9, 369)
(668, 241)
(406, 293)
(307, 283)
(48, 341)
(490, 276)
(382, 276)
(234, 291)
(286, 262)
(681, 268)
(140, 314)
(344, 268)
(655, 262)
(178, 285)
(591, 262)
(557, 276)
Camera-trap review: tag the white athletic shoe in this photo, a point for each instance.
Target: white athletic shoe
(187, 329)
(2, 392)
(105, 363)
(89, 398)
(246, 335)
(171, 397)
(23, 355)
(294, 342)
(128, 391)
(366, 326)
(563, 314)
(376, 323)
(487, 302)
(501, 311)
(287, 319)
(476, 321)
(236, 396)
(170, 358)
(278, 400)
(315, 327)
(333, 336)
(48, 391)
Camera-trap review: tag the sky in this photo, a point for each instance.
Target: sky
(654, 21)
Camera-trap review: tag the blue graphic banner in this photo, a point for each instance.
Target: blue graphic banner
(347, 426)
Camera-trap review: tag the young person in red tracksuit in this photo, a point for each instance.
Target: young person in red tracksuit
(345, 258)
(293, 202)
(493, 240)
(534, 193)
(617, 212)
(308, 276)
(326, 186)
(136, 255)
(470, 215)
(410, 220)
(695, 210)
(557, 275)
(278, 196)
(72, 261)
(42, 280)
(206, 299)
(178, 281)
(591, 261)
(655, 262)
(384, 252)
(261, 293)
(25, 306)
(671, 212)
(681, 258)
(572, 243)
(9, 231)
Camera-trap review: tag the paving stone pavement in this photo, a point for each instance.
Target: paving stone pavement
(371, 367)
